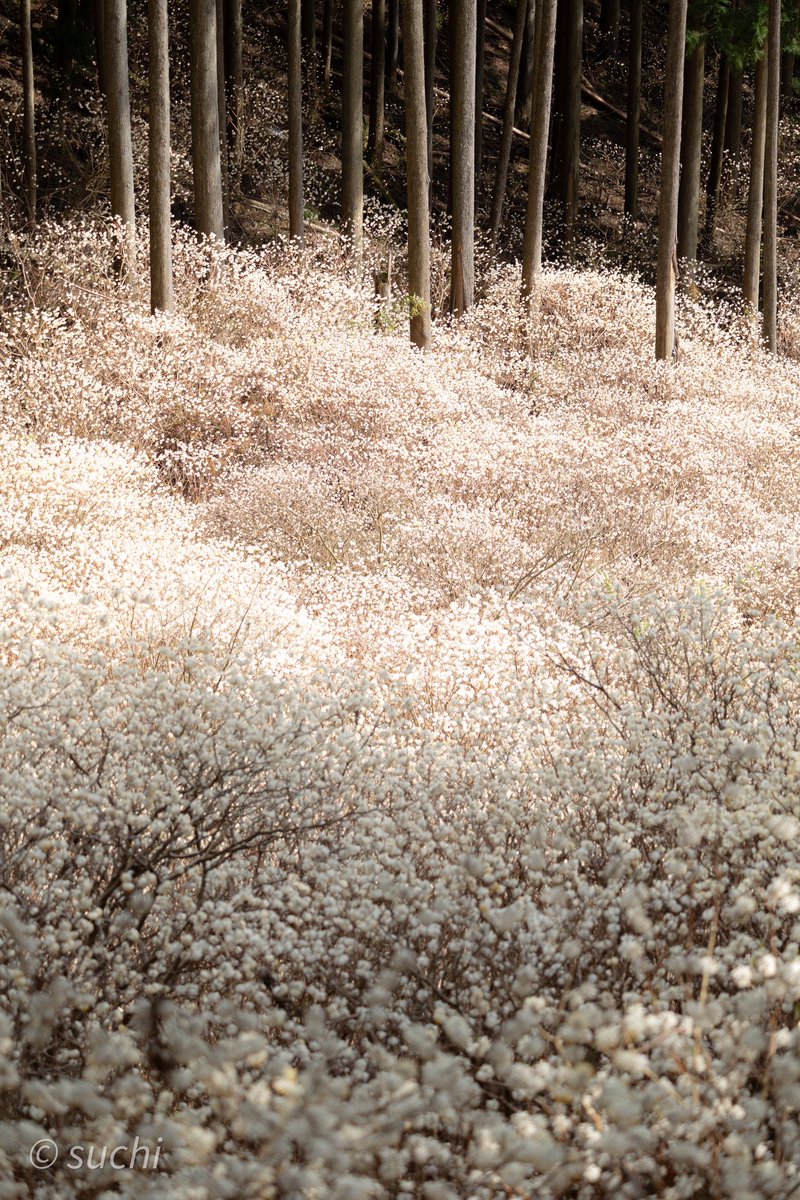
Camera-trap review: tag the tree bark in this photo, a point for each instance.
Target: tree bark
(771, 177)
(717, 141)
(480, 54)
(733, 119)
(221, 115)
(28, 110)
(120, 148)
(353, 124)
(377, 83)
(161, 288)
(634, 114)
(755, 195)
(295, 48)
(527, 69)
(234, 81)
(504, 155)
(419, 260)
(571, 123)
(430, 34)
(462, 154)
(691, 150)
(666, 277)
(392, 44)
(206, 169)
(328, 13)
(537, 160)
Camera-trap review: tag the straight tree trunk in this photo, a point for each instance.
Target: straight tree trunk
(717, 141)
(120, 149)
(377, 83)
(691, 149)
(733, 119)
(222, 115)
(771, 177)
(99, 44)
(634, 114)
(234, 82)
(755, 195)
(206, 168)
(328, 13)
(462, 154)
(295, 47)
(506, 137)
(537, 160)
(667, 269)
(353, 124)
(28, 109)
(571, 124)
(419, 254)
(480, 55)
(431, 34)
(161, 289)
(392, 44)
(526, 71)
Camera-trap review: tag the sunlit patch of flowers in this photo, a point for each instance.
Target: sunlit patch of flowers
(398, 754)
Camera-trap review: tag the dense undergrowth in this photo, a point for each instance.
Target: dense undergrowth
(399, 753)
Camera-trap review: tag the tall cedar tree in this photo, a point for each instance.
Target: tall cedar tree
(234, 83)
(691, 150)
(634, 114)
(431, 34)
(570, 156)
(120, 148)
(462, 155)
(717, 144)
(377, 87)
(755, 195)
(206, 166)
(480, 57)
(419, 255)
(161, 290)
(771, 177)
(504, 154)
(667, 267)
(295, 47)
(537, 154)
(28, 110)
(353, 124)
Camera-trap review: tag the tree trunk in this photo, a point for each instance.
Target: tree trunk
(755, 195)
(99, 44)
(717, 141)
(161, 290)
(527, 70)
(309, 35)
(787, 75)
(209, 218)
(234, 81)
(419, 255)
(504, 155)
(28, 110)
(691, 149)
(537, 160)
(480, 54)
(609, 25)
(462, 154)
(353, 124)
(666, 344)
(771, 177)
(120, 149)
(392, 44)
(431, 34)
(571, 123)
(221, 114)
(733, 119)
(634, 114)
(328, 14)
(295, 47)
(377, 83)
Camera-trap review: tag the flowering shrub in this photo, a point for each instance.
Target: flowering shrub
(398, 754)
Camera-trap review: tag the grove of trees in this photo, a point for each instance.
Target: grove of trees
(714, 53)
